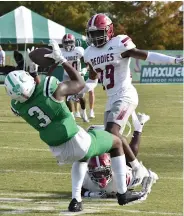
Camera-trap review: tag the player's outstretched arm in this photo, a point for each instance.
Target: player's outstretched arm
(153, 57)
(32, 67)
(91, 82)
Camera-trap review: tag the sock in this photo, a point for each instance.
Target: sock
(119, 169)
(137, 126)
(134, 164)
(79, 170)
(91, 110)
(83, 111)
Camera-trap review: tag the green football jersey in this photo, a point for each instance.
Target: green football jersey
(50, 117)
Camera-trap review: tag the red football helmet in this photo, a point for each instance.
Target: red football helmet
(99, 30)
(99, 169)
(68, 42)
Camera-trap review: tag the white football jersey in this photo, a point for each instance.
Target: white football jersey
(110, 188)
(113, 70)
(73, 57)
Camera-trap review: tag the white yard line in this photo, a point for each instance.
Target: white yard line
(67, 173)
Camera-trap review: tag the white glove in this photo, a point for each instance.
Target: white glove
(179, 61)
(31, 66)
(56, 54)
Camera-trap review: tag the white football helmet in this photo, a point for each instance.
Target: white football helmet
(19, 85)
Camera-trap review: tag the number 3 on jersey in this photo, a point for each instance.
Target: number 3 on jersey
(40, 116)
(109, 74)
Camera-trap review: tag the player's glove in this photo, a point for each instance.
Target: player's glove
(179, 61)
(31, 66)
(56, 54)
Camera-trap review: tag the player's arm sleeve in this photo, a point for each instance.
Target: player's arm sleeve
(89, 85)
(50, 85)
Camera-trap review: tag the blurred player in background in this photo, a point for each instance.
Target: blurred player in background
(109, 57)
(74, 55)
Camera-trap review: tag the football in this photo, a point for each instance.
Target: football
(37, 56)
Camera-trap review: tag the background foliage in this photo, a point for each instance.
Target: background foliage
(152, 25)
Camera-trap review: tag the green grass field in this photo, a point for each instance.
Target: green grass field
(31, 183)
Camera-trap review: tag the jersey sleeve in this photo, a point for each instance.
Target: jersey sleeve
(80, 51)
(125, 43)
(50, 85)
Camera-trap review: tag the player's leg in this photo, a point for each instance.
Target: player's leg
(68, 102)
(79, 170)
(116, 119)
(76, 108)
(106, 142)
(71, 152)
(91, 103)
(70, 106)
(138, 124)
(113, 120)
(82, 101)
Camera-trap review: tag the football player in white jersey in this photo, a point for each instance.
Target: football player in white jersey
(99, 183)
(108, 57)
(74, 56)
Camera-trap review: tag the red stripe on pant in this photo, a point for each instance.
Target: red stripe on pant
(121, 115)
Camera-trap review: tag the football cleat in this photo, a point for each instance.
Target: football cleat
(148, 182)
(75, 206)
(131, 197)
(139, 174)
(143, 118)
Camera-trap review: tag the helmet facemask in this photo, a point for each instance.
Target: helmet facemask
(69, 45)
(97, 37)
(99, 30)
(101, 175)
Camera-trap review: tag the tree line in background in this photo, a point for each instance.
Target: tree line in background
(153, 25)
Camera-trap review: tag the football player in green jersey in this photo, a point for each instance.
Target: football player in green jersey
(41, 104)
